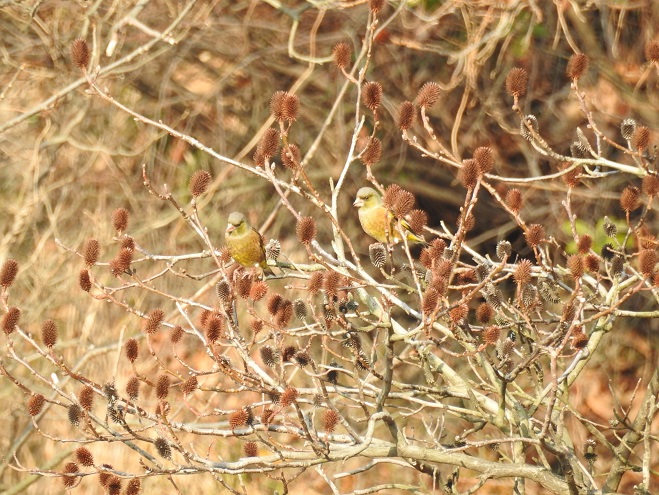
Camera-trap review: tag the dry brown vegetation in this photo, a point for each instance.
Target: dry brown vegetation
(530, 367)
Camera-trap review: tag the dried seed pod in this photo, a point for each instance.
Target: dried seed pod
(331, 282)
(342, 54)
(74, 412)
(377, 253)
(300, 309)
(177, 333)
(333, 375)
(84, 280)
(406, 115)
(617, 265)
(523, 272)
(302, 358)
(652, 51)
(268, 356)
(647, 260)
(491, 334)
(35, 404)
(484, 158)
(133, 388)
(251, 449)
(514, 200)
(306, 230)
(163, 448)
(258, 291)
(316, 282)
(284, 313)
(80, 54)
(266, 416)
(549, 291)
(484, 312)
(284, 106)
(459, 314)
(268, 144)
(162, 386)
(330, 420)
(576, 266)
(49, 333)
(372, 95)
(528, 295)
(8, 273)
(243, 285)
(288, 353)
(610, 228)
(214, 329)
(84, 456)
(651, 184)
(153, 320)
(223, 291)
(288, 396)
(504, 250)
(69, 469)
(584, 244)
(592, 263)
(86, 398)
(375, 6)
(641, 138)
(630, 199)
(120, 219)
(607, 252)
(579, 339)
(199, 183)
(589, 450)
(529, 120)
(91, 251)
(430, 300)
(110, 391)
(579, 150)
(577, 66)
(189, 385)
(482, 271)
(428, 95)
(417, 221)
(238, 419)
(372, 152)
(516, 82)
(133, 487)
(291, 156)
(470, 174)
(627, 128)
(534, 235)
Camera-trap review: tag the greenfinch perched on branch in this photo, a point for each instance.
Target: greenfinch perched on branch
(378, 222)
(245, 244)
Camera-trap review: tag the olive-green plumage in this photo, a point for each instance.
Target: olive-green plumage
(377, 221)
(245, 244)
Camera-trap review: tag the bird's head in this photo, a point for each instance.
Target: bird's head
(367, 196)
(236, 223)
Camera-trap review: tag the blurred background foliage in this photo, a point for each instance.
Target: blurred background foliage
(67, 164)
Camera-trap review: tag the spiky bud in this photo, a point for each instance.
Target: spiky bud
(133, 388)
(630, 198)
(251, 449)
(377, 253)
(579, 339)
(133, 487)
(177, 333)
(617, 265)
(399, 201)
(514, 200)
(430, 300)
(576, 266)
(35, 404)
(199, 183)
(284, 313)
(589, 450)
(458, 314)
(274, 301)
(342, 54)
(651, 184)
(91, 251)
(592, 262)
(523, 272)
(267, 415)
(549, 291)
(516, 82)
(288, 396)
(372, 95)
(428, 95)
(529, 120)
(121, 263)
(214, 329)
(484, 313)
(306, 230)
(610, 228)
(504, 250)
(80, 54)
(534, 235)
(120, 219)
(331, 282)
(627, 128)
(641, 138)
(406, 115)
(302, 358)
(577, 66)
(284, 106)
(163, 448)
(372, 153)
(316, 282)
(238, 418)
(268, 356)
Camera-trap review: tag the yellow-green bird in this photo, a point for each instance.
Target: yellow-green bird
(245, 244)
(377, 221)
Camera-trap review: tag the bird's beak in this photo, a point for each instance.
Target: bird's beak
(358, 203)
(230, 228)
